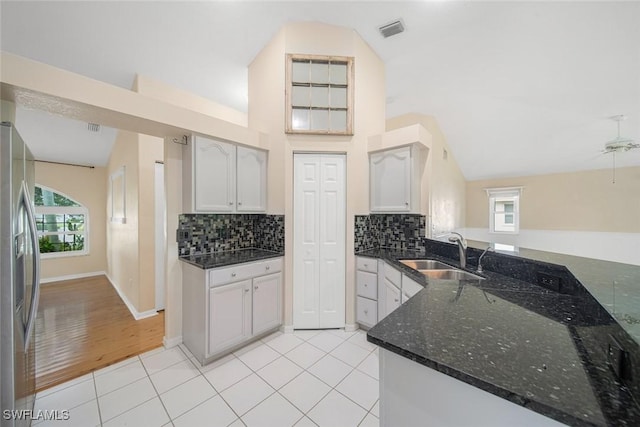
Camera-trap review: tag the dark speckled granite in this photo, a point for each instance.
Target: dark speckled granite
(221, 259)
(544, 350)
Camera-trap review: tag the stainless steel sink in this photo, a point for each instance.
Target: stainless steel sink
(425, 264)
(450, 274)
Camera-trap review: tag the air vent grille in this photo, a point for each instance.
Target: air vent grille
(392, 28)
(93, 127)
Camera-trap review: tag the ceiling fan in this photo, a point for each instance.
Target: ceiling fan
(619, 143)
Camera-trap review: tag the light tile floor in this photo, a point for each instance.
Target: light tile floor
(307, 378)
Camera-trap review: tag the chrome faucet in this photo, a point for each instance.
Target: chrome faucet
(462, 247)
(479, 270)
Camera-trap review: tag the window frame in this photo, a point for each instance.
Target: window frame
(64, 210)
(508, 194)
(349, 61)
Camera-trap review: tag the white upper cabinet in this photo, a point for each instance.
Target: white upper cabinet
(221, 177)
(391, 173)
(251, 184)
(214, 175)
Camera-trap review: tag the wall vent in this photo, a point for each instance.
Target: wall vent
(392, 28)
(93, 127)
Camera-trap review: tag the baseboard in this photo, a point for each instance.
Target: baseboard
(135, 313)
(350, 327)
(287, 329)
(171, 342)
(73, 276)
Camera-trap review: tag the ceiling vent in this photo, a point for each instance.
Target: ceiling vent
(93, 127)
(392, 28)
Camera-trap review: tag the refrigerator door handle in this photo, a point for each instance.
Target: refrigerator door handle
(25, 199)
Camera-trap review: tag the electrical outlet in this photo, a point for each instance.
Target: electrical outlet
(618, 359)
(549, 281)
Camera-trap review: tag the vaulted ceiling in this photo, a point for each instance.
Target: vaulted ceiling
(519, 88)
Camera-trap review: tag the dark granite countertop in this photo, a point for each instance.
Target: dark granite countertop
(221, 259)
(543, 350)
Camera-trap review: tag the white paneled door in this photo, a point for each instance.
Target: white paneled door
(319, 200)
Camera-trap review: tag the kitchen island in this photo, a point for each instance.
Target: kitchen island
(558, 354)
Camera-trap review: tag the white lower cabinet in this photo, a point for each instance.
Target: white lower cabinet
(225, 308)
(409, 288)
(380, 289)
(266, 302)
(367, 291)
(229, 315)
(389, 291)
(392, 298)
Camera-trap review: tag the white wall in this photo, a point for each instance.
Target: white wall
(267, 114)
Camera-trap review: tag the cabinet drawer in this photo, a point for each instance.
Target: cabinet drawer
(366, 311)
(393, 275)
(234, 273)
(366, 264)
(367, 284)
(267, 267)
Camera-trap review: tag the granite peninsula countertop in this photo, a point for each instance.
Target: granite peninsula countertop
(540, 349)
(222, 259)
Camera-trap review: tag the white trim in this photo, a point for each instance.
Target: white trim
(171, 342)
(73, 276)
(132, 309)
(351, 327)
(504, 191)
(287, 329)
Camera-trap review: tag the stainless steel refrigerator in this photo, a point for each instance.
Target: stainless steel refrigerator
(20, 286)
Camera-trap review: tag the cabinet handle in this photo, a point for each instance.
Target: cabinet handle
(239, 203)
(247, 290)
(365, 285)
(396, 300)
(230, 203)
(366, 265)
(406, 203)
(256, 287)
(366, 312)
(267, 268)
(233, 274)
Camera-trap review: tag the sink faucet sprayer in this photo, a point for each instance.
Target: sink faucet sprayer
(462, 247)
(479, 270)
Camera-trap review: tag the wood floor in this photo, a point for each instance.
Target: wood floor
(83, 325)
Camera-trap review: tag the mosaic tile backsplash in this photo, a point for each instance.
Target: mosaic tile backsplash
(395, 231)
(205, 233)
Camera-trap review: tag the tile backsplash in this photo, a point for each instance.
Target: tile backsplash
(204, 233)
(396, 231)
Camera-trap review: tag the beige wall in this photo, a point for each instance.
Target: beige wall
(130, 246)
(122, 239)
(86, 186)
(576, 201)
(266, 114)
(443, 184)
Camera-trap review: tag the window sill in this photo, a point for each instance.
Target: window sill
(55, 255)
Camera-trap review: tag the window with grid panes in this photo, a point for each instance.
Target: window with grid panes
(319, 94)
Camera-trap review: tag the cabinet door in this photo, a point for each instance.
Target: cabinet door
(390, 180)
(214, 175)
(409, 288)
(366, 311)
(229, 315)
(251, 180)
(391, 299)
(266, 302)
